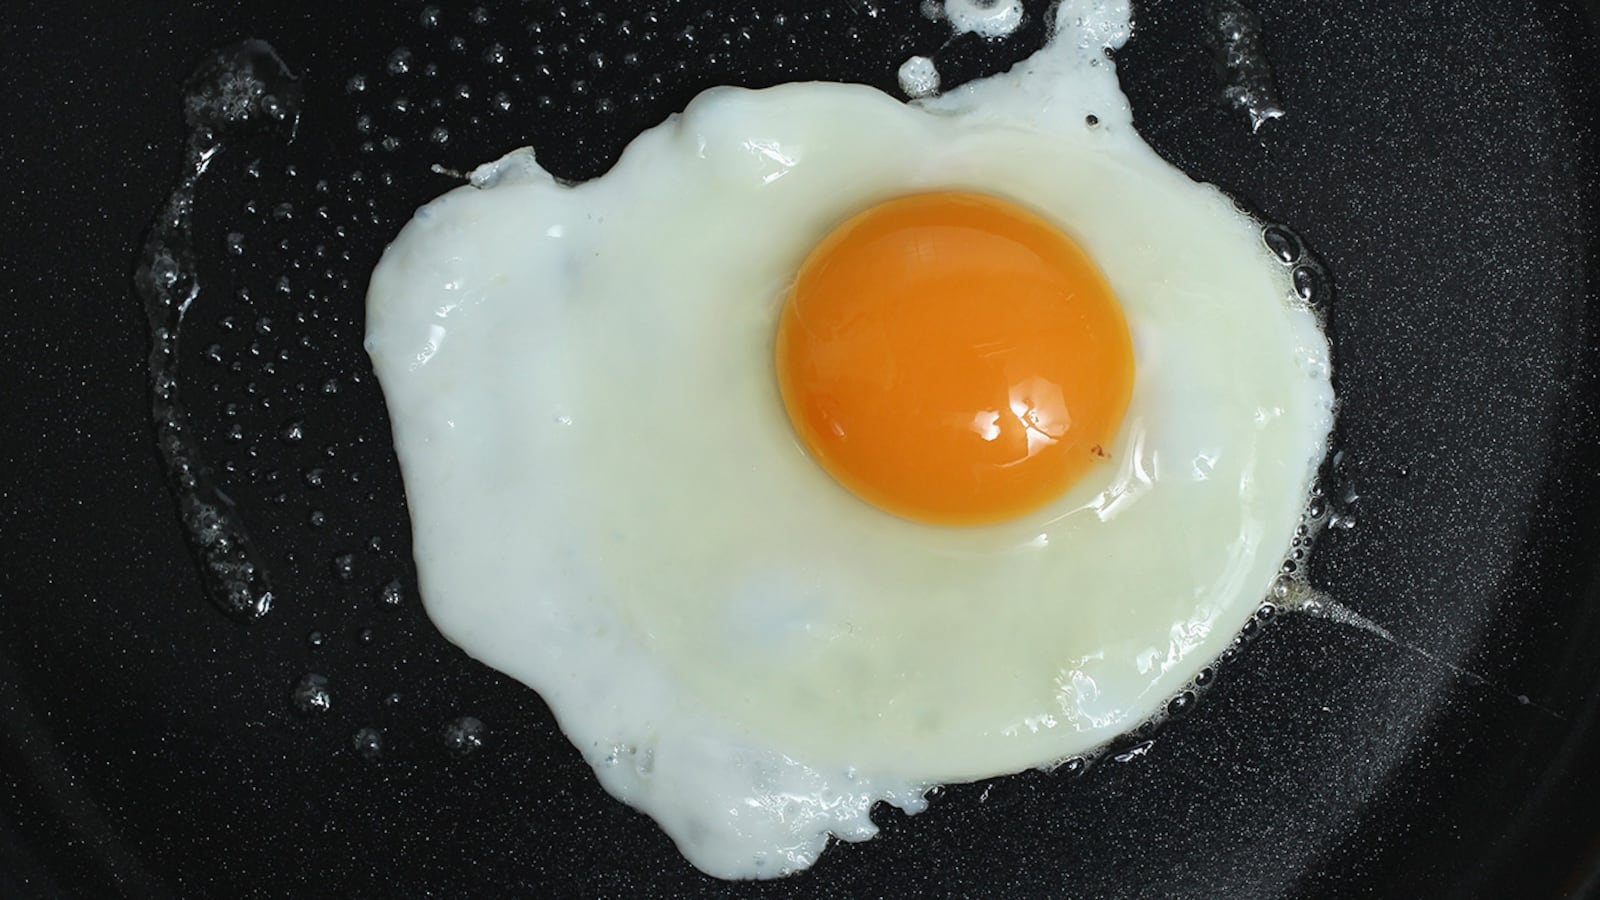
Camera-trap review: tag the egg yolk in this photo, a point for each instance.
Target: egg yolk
(953, 359)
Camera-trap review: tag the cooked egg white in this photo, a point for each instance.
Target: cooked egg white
(610, 504)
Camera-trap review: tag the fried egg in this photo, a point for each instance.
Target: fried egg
(829, 448)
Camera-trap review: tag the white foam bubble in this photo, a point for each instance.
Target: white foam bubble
(919, 78)
(985, 18)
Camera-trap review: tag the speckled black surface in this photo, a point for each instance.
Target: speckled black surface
(1441, 157)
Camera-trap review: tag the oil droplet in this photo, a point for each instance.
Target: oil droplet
(399, 61)
(311, 694)
(390, 596)
(368, 743)
(1181, 704)
(1132, 753)
(464, 735)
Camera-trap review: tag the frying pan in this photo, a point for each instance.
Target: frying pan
(1440, 157)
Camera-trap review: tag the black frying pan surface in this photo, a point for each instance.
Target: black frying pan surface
(1441, 157)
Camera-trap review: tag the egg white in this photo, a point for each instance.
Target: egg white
(609, 504)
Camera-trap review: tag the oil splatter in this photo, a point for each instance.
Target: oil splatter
(1241, 59)
(239, 91)
(1323, 607)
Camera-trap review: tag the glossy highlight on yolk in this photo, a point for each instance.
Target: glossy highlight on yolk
(953, 359)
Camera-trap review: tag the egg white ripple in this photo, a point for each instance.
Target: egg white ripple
(608, 502)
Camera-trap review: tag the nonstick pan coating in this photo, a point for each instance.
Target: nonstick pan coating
(1440, 157)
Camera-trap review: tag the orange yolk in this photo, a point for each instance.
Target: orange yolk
(953, 359)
